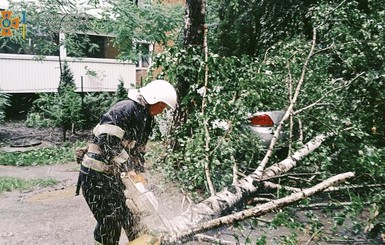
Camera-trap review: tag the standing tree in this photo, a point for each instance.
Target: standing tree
(193, 38)
(121, 92)
(66, 79)
(70, 103)
(4, 102)
(53, 25)
(62, 109)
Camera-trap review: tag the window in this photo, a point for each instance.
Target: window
(39, 45)
(144, 51)
(91, 46)
(143, 3)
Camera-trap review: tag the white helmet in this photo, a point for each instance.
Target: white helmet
(159, 91)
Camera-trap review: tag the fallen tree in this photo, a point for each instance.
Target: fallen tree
(224, 201)
(254, 212)
(204, 215)
(215, 210)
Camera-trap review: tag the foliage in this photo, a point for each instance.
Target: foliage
(133, 24)
(351, 54)
(251, 27)
(62, 109)
(343, 82)
(11, 184)
(121, 92)
(66, 79)
(96, 104)
(129, 23)
(235, 90)
(4, 102)
(45, 20)
(37, 120)
(43, 156)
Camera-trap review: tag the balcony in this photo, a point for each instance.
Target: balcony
(20, 73)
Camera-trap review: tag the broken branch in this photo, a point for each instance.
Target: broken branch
(256, 211)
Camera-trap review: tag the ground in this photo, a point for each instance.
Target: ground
(54, 215)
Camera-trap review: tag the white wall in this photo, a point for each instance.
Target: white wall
(24, 74)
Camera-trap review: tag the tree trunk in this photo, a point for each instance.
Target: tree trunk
(193, 36)
(64, 133)
(225, 201)
(194, 24)
(256, 211)
(176, 236)
(204, 215)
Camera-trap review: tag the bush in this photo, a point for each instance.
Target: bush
(4, 102)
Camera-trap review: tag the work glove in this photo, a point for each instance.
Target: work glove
(79, 153)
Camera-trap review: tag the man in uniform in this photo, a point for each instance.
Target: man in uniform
(117, 144)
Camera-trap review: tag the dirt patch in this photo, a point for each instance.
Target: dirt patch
(64, 220)
(16, 132)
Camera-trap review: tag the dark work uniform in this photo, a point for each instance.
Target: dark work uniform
(104, 190)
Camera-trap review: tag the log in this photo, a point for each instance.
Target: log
(256, 211)
(223, 202)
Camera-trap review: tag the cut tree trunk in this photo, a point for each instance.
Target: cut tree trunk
(175, 237)
(256, 211)
(224, 202)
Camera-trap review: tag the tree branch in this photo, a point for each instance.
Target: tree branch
(326, 94)
(261, 167)
(256, 211)
(205, 121)
(225, 200)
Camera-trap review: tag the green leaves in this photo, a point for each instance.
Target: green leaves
(152, 23)
(235, 89)
(11, 184)
(43, 156)
(62, 109)
(46, 19)
(4, 102)
(343, 89)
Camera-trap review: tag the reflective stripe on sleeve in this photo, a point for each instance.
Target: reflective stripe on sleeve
(122, 157)
(93, 148)
(96, 165)
(108, 129)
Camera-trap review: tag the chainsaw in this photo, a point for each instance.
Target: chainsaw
(140, 200)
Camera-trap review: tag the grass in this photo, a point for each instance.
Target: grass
(12, 184)
(41, 156)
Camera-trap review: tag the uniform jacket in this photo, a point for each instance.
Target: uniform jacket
(136, 122)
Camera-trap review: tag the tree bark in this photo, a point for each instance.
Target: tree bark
(194, 24)
(193, 36)
(293, 100)
(223, 202)
(256, 211)
(203, 216)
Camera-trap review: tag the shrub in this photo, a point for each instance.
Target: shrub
(4, 102)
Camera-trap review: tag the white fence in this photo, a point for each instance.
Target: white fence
(25, 74)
